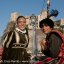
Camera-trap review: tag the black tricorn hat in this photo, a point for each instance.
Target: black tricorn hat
(47, 21)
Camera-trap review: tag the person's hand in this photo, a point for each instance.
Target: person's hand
(43, 44)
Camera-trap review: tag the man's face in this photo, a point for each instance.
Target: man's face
(21, 23)
(46, 29)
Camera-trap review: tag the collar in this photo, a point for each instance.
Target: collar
(22, 31)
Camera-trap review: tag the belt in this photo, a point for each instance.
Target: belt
(18, 45)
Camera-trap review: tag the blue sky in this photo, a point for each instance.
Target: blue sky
(26, 7)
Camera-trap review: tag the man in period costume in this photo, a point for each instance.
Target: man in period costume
(51, 45)
(15, 44)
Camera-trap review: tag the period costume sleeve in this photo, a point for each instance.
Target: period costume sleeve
(53, 46)
(6, 39)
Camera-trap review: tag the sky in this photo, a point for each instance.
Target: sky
(26, 8)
